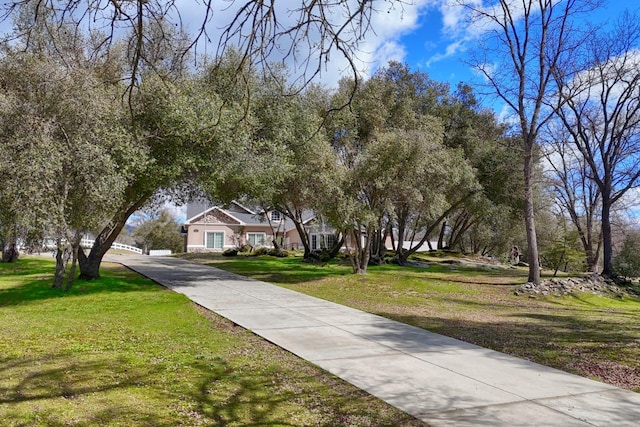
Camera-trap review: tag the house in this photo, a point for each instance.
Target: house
(216, 228)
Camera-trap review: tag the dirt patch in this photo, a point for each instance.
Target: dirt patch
(610, 373)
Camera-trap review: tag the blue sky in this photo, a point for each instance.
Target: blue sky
(437, 47)
(429, 35)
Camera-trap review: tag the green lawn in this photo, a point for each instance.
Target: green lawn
(124, 351)
(593, 336)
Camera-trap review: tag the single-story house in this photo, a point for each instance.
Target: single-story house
(216, 228)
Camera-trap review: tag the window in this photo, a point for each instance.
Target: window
(330, 240)
(256, 239)
(323, 240)
(276, 216)
(214, 240)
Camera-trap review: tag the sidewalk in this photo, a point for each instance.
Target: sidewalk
(440, 380)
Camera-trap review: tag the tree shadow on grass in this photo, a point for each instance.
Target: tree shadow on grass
(294, 270)
(249, 398)
(51, 377)
(286, 271)
(556, 340)
(62, 390)
(40, 287)
(59, 390)
(287, 396)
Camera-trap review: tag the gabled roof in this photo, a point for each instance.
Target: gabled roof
(242, 207)
(242, 216)
(207, 211)
(307, 216)
(245, 216)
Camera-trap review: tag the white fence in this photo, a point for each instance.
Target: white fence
(159, 252)
(87, 243)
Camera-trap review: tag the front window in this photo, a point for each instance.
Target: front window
(323, 240)
(276, 216)
(256, 239)
(215, 240)
(330, 240)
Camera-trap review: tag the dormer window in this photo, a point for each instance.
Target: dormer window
(276, 216)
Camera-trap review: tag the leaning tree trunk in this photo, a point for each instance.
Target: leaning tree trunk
(405, 254)
(335, 250)
(90, 264)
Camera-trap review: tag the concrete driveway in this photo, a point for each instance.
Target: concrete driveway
(440, 380)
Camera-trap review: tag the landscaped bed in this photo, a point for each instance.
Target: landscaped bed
(123, 351)
(596, 336)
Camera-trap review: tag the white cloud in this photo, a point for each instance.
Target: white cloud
(506, 115)
(389, 22)
(614, 76)
(453, 15)
(451, 50)
(468, 22)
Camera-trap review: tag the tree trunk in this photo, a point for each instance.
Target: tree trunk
(75, 249)
(425, 238)
(296, 216)
(335, 250)
(607, 253)
(304, 238)
(443, 228)
(360, 259)
(399, 248)
(90, 265)
(530, 226)
(61, 265)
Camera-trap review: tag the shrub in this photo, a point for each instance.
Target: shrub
(279, 253)
(245, 248)
(321, 255)
(627, 262)
(230, 252)
(269, 251)
(260, 251)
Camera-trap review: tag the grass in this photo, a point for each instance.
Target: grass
(122, 351)
(590, 335)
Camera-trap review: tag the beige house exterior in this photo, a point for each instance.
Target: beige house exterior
(216, 229)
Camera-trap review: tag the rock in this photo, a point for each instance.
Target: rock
(592, 283)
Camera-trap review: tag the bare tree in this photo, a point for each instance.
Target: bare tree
(307, 33)
(600, 109)
(526, 40)
(576, 194)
